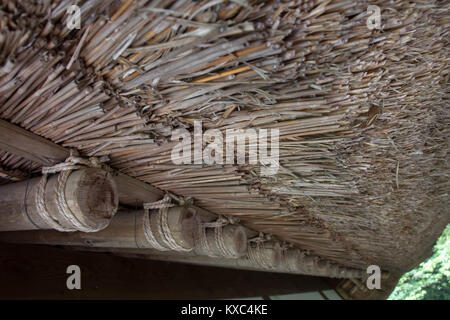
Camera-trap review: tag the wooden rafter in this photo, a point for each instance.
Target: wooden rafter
(21, 142)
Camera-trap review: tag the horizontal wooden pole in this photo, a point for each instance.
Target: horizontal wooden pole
(136, 189)
(125, 237)
(21, 142)
(241, 264)
(128, 229)
(124, 231)
(30, 146)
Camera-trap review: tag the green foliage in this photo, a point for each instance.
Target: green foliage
(430, 280)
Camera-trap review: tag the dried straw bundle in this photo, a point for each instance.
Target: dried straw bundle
(361, 112)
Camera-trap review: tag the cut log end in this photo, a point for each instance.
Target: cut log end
(177, 232)
(92, 196)
(292, 259)
(235, 238)
(81, 200)
(189, 225)
(267, 255)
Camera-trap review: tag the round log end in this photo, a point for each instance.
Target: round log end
(179, 233)
(292, 260)
(322, 267)
(92, 196)
(308, 264)
(235, 238)
(268, 256)
(189, 226)
(276, 254)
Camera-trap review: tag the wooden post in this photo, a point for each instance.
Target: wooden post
(85, 201)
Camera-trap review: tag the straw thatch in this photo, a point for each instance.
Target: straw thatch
(363, 114)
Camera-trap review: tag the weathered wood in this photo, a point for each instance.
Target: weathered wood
(228, 241)
(30, 146)
(137, 189)
(267, 255)
(128, 229)
(90, 194)
(124, 231)
(21, 142)
(243, 263)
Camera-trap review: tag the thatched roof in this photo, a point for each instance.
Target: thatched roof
(363, 114)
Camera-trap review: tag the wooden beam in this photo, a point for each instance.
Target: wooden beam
(128, 229)
(242, 263)
(21, 142)
(29, 145)
(136, 189)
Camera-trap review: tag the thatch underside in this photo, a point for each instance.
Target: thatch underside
(15, 168)
(363, 114)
